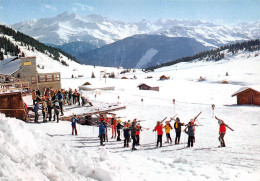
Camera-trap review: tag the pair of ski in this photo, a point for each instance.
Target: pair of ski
(169, 120)
(224, 123)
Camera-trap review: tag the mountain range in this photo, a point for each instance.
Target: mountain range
(98, 30)
(81, 35)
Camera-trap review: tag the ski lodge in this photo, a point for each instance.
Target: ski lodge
(24, 70)
(247, 95)
(144, 86)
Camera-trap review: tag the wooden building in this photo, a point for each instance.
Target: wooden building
(24, 69)
(247, 95)
(163, 77)
(12, 105)
(147, 87)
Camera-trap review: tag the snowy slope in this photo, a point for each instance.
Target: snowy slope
(49, 152)
(71, 27)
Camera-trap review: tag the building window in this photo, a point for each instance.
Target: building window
(56, 77)
(34, 81)
(42, 78)
(49, 78)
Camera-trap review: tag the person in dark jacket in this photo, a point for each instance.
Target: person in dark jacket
(126, 135)
(119, 127)
(35, 110)
(74, 120)
(191, 134)
(133, 130)
(60, 100)
(177, 127)
(102, 131)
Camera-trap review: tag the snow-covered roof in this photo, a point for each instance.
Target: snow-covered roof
(243, 89)
(9, 65)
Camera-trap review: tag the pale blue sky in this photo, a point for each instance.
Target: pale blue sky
(218, 11)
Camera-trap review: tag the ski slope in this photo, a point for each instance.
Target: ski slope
(48, 151)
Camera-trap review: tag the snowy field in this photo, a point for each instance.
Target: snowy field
(49, 152)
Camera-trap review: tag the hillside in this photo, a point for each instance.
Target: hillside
(7, 47)
(141, 51)
(217, 54)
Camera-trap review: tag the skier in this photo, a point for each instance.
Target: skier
(133, 134)
(74, 120)
(139, 129)
(222, 132)
(190, 132)
(60, 100)
(168, 128)
(44, 110)
(126, 134)
(56, 113)
(102, 130)
(119, 127)
(35, 110)
(113, 125)
(177, 127)
(102, 118)
(159, 129)
(49, 107)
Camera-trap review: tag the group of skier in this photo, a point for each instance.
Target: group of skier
(131, 131)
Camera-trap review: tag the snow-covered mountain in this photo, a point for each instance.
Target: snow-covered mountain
(95, 29)
(48, 59)
(142, 51)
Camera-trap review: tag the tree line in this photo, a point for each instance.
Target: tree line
(28, 41)
(214, 54)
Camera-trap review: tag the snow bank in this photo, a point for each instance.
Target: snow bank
(28, 154)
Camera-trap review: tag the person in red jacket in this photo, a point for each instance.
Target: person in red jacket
(222, 132)
(159, 129)
(139, 128)
(113, 125)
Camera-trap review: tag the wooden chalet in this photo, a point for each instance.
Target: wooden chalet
(12, 105)
(147, 87)
(247, 95)
(163, 77)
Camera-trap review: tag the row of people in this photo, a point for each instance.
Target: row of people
(132, 130)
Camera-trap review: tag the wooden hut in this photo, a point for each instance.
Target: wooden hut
(163, 77)
(147, 87)
(12, 105)
(247, 95)
(87, 83)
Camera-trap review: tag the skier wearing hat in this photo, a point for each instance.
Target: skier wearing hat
(159, 129)
(139, 129)
(177, 127)
(133, 134)
(190, 132)
(222, 132)
(102, 131)
(126, 134)
(168, 128)
(74, 120)
(119, 127)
